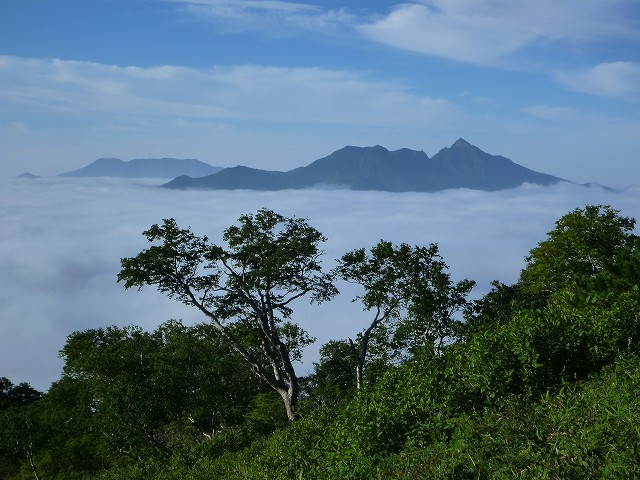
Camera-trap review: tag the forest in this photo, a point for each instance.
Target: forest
(537, 379)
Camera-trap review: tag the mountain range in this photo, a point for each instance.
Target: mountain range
(375, 168)
(144, 168)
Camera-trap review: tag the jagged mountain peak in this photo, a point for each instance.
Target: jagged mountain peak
(462, 143)
(462, 165)
(461, 146)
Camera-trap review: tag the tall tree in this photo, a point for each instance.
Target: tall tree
(411, 295)
(154, 390)
(591, 247)
(249, 287)
(19, 427)
(16, 395)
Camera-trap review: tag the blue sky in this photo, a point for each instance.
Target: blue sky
(553, 85)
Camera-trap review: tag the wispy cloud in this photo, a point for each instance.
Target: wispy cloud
(525, 35)
(244, 93)
(612, 79)
(446, 31)
(495, 32)
(277, 18)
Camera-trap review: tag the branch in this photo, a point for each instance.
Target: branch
(255, 364)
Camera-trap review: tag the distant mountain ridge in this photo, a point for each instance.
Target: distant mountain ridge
(375, 168)
(144, 168)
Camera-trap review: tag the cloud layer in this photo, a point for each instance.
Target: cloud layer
(611, 79)
(278, 18)
(493, 33)
(243, 93)
(62, 239)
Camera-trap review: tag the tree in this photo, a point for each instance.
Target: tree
(16, 395)
(18, 426)
(412, 297)
(589, 248)
(157, 390)
(333, 375)
(496, 306)
(270, 262)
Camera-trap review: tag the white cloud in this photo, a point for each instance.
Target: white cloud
(62, 240)
(277, 18)
(261, 5)
(78, 111)
(246, 93)
(492, 32)
(445, 33)
(612, 79)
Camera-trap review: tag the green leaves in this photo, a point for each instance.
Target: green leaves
(175, 266)
(279, 255)
(153, 390)
(590, 247)
(269, 258)
(410, 285)
(270, 262)
(412, 296)
(542, 349)
(16, 395)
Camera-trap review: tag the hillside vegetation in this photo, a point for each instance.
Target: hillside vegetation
(538, 379)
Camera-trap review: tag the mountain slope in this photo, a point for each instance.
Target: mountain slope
(465, 165)
(235, 178)
(144, 168)
(367, 168)
(375, 168)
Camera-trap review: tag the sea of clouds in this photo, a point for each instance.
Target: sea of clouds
(62, 239)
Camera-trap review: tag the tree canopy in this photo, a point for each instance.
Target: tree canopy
(411, 295)
(270, 261)
(590, 247)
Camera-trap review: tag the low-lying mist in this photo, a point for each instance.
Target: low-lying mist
(61, 242)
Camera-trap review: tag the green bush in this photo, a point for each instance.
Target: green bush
(588, 430)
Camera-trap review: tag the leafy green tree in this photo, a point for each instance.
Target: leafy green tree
(411, 295)
(19, 422)
(590, 248)
(270, 262)
(22, 434)
(160, 390)
(127, 395)
(332, 378)
(540, 349)
(496, 306)
(335, 365)
(16, 395)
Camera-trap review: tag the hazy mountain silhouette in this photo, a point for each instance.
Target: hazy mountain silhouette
(375, 168)
(144, 168)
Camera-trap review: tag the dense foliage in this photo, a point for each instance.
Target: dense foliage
(540, 380)
(245, 290)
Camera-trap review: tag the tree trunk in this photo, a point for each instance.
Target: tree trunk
(359, 374)
(364, 347)
(289, 404)
(33, 466)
